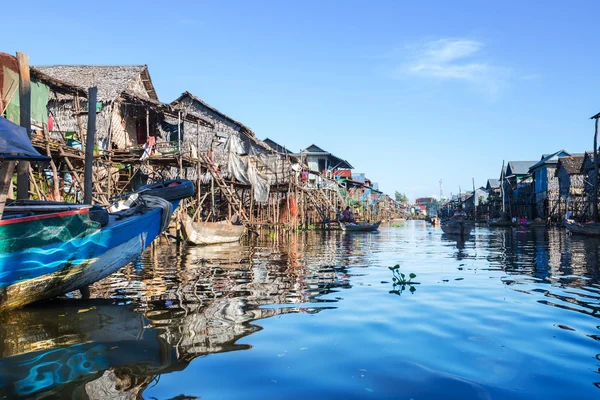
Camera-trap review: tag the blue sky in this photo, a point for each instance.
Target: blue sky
(408, 92)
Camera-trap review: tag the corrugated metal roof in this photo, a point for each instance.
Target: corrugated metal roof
(493, 183)
(519, 167)
(548, 159)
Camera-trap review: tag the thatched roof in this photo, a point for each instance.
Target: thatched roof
(111, 81)
(57, 84)
(211, 108)
(571, 164)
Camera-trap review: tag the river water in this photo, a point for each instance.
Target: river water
(505, 314)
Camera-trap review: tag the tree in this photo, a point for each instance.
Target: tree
(401, 197)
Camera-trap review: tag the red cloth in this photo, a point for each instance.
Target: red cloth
(50, 124)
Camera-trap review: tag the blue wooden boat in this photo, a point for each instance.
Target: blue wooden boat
(46, 255)
(49, 248)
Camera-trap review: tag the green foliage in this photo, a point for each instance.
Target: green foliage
(400, 281)
(401, 197)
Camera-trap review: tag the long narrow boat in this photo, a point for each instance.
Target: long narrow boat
(46, 255)
(500, 223)
(205, 233)
(363, 227)
(460, 227)
(590, 229)
(49, 248)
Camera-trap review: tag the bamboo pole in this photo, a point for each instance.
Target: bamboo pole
(198, 169)
(6, 173)
(109, 161)
(595, 190)
(55, 180)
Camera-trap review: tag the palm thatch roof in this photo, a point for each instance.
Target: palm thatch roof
(111, 81)
(204, 104)
(571, 164)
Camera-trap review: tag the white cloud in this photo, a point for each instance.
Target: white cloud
(461, 60)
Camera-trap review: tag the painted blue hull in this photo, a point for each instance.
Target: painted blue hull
(42, 272)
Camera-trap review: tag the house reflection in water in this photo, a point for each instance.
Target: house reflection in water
(176, 309)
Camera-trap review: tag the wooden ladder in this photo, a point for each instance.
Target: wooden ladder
(229, 193)
(311, 196)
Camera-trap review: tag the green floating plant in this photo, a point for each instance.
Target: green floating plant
(400, 281)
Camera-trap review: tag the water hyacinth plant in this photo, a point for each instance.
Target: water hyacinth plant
(400, 281)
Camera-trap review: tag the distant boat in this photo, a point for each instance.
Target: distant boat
(457, 227)
(362, 227)
(435, 221)
(205, 233)
(500, 223)
(590, 229)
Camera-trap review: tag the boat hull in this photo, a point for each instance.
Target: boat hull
(501, 224)
(33, 271)
(206, 233)
(360, 228)
(457, 228)
(592, 229)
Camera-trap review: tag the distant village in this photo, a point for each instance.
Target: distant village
(552, 187)
(139, 139)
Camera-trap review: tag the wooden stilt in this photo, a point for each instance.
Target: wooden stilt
(7, 169)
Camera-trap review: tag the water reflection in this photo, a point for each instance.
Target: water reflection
(157, 316)
(173, 309)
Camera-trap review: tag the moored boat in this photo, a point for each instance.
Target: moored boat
(360, 227)
(589, 229)
(500, 223)
(51, 248)
(49, 254)
(457, 227)
(205, 233)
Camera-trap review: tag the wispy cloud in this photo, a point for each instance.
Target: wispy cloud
(459, 60)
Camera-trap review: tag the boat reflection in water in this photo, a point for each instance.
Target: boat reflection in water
(103, 350)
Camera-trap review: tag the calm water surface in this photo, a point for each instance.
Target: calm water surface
(506, 314)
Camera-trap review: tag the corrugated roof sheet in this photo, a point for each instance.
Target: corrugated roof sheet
(548, 159)
(519, 167)
(493, 183)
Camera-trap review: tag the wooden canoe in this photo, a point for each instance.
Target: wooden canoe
(462, 228)
(205, 233)
(591, 229)
(360, 227)
(501, 223)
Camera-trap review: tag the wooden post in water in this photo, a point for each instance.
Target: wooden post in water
(25, 121)
(198, 170)
(89, 146)
(502, 188)
(7, 168)
(474, 201)
(595, 180)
